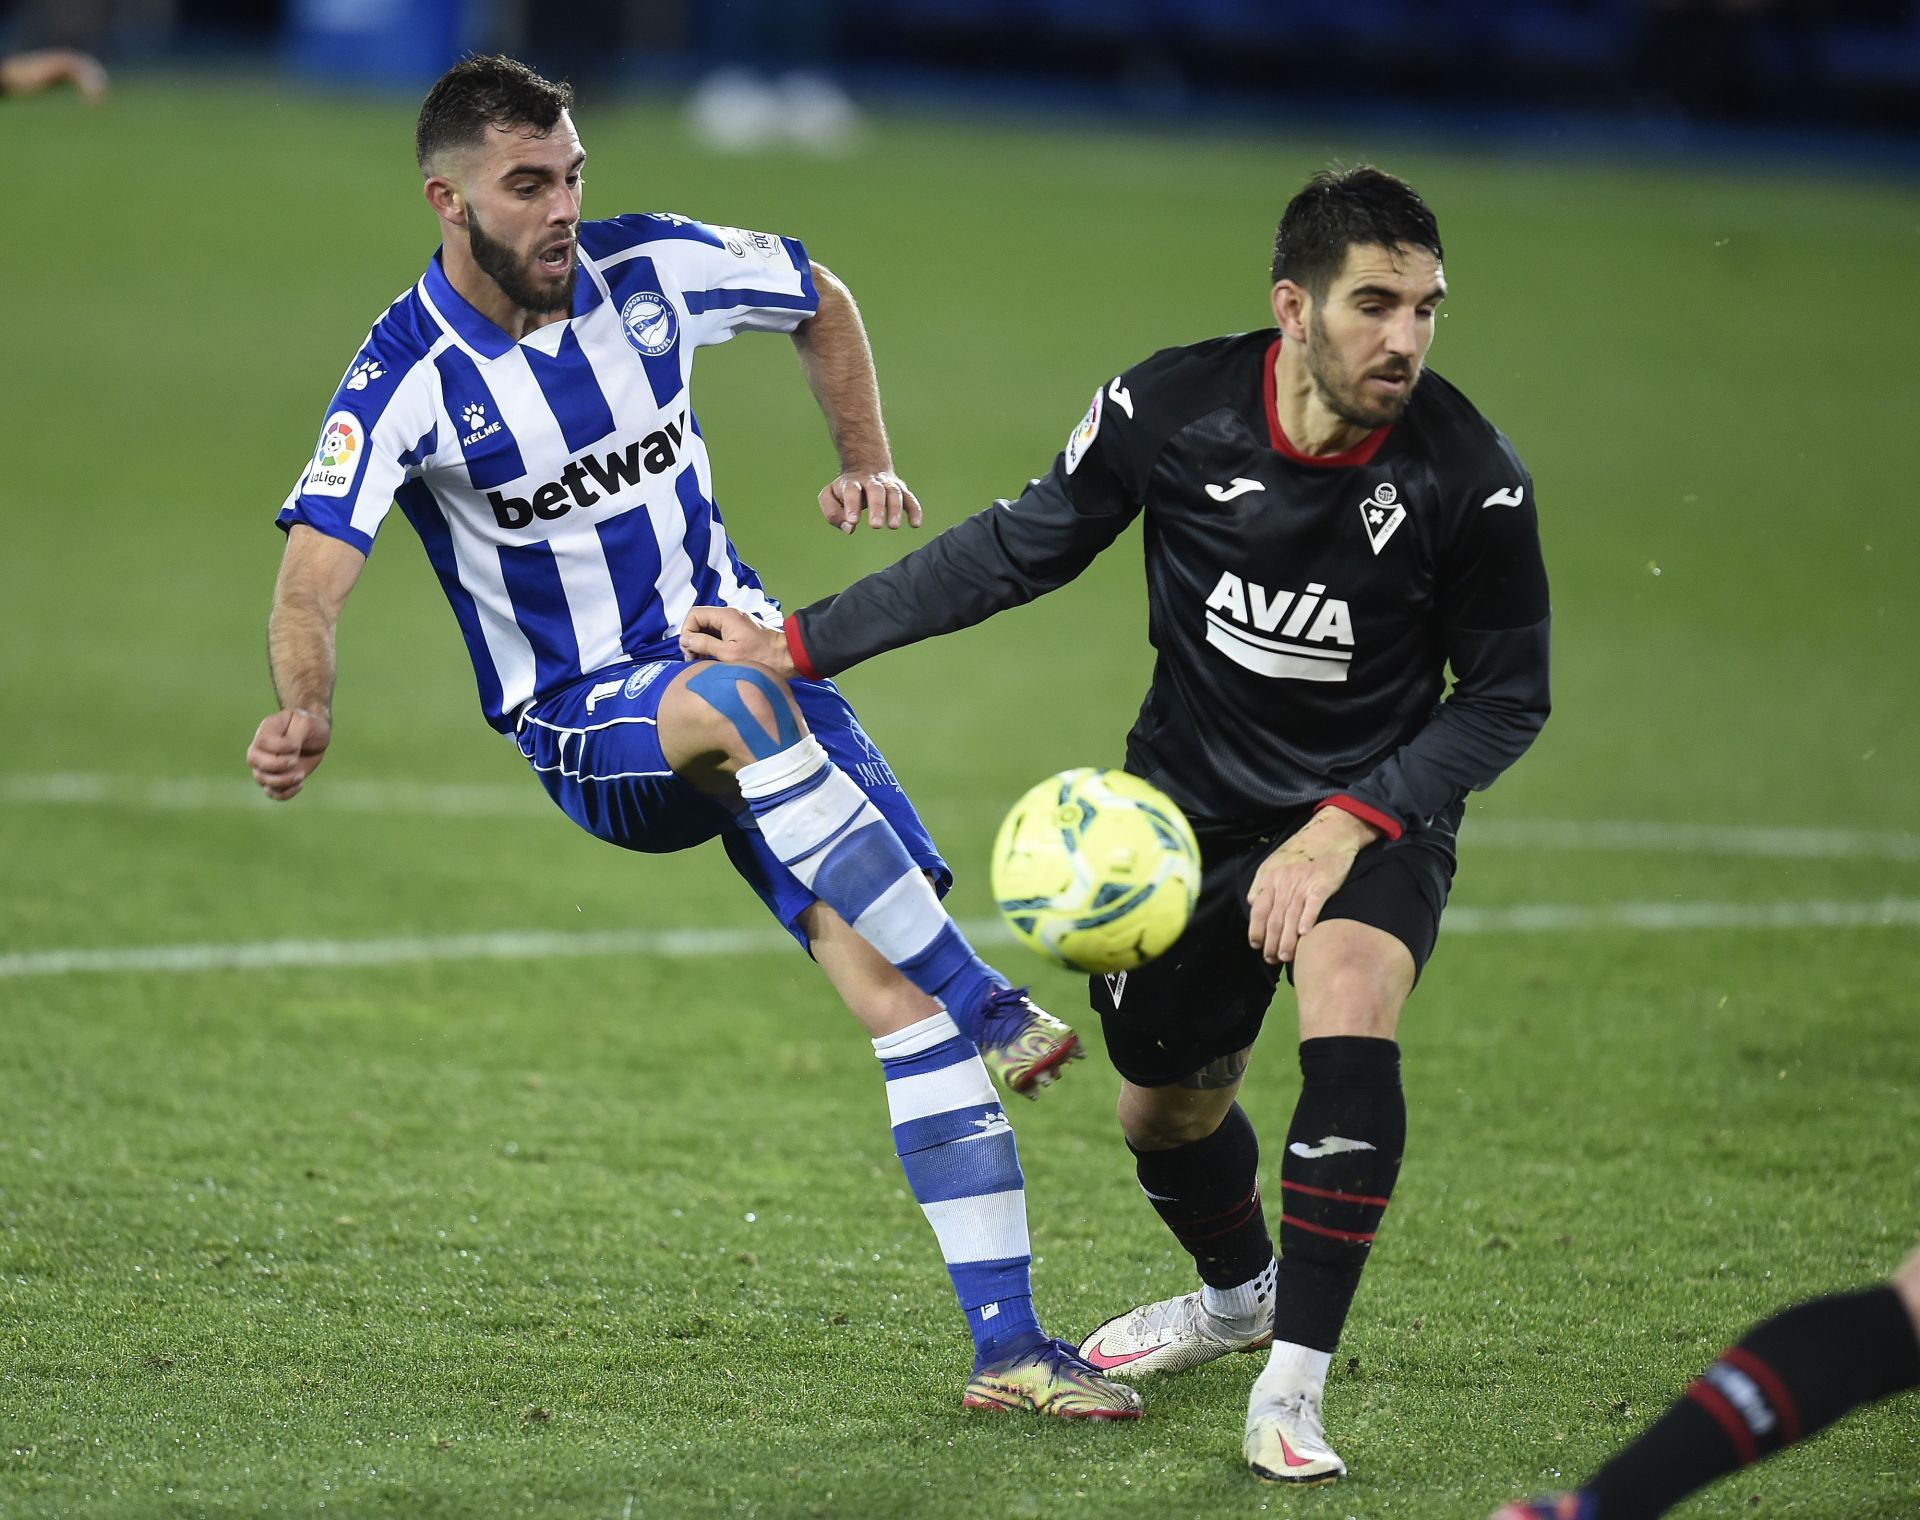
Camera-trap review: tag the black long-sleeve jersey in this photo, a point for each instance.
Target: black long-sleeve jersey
(1304, 609)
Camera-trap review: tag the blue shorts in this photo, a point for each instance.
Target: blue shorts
(595, 745)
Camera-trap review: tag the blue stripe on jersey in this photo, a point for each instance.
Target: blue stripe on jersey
(803, 265)
(638, 228)
(429, 441)
(699, 537)
(572, 392)
(430, 522)
(628, 542)
(492, 457)
(699, 301)
(663, 370)
(540, 608)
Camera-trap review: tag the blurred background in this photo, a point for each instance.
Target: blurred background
(1654, 71)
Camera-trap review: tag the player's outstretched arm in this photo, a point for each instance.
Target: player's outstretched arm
(30, 73)
(316, 574)
(838, 364)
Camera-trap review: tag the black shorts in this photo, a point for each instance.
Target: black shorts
(1208, 995)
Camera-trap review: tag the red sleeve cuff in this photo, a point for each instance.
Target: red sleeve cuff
(1360, 810)
(798, 650)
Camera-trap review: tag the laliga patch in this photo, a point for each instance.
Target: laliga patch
(342, 441)
(1382, 513)
(1084, 434)
(650, 323)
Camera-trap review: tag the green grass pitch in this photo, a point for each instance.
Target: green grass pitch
(622, 1234)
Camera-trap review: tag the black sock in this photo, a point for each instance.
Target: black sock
(1343, 1154)
(1792, 1375)
(1209, 1195)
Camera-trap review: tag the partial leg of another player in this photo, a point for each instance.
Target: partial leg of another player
(958, 1152)
(735, 732)
(1791, 1376)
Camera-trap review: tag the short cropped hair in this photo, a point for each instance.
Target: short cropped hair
(479, 93)
(1341, 208)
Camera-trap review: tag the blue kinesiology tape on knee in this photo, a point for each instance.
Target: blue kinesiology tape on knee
(724, 688)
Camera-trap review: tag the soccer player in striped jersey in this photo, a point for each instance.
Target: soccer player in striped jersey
(526, 405)
(1788, 1378)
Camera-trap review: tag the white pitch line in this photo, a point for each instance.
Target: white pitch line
(1772, 842)
(494, 800)
(689, 944)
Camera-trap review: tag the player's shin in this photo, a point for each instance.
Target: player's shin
(1208, 1194)
(1342, 1158)
(825, 830)
(957, 1149)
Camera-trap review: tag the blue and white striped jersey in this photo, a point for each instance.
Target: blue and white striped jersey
(560, 483)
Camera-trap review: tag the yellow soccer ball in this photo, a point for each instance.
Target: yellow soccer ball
(1096, 870)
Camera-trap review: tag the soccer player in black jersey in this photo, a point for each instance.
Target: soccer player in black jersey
(1328, 530)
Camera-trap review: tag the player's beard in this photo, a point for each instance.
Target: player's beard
(1343, 393)
(517, 274)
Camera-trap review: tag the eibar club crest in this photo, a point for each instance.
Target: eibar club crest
(1382, 512)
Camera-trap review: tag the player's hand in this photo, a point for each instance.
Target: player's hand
(286, 747)
(729, 635)
(881, 494)
(1295, 881)
(30, 73)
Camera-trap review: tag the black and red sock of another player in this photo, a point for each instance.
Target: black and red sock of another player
(1791, 1376)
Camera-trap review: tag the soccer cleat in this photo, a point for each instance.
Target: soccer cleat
(1574, 1506)
(1286, 1441)
(1171, 1336)
(1022, 1044)
(1051, 1379)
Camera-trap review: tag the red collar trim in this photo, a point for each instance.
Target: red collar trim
(1361, 453)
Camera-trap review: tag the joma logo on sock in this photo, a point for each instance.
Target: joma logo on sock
(612, 473)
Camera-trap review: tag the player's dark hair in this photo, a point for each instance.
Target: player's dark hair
(1341, 208)
(479, 93)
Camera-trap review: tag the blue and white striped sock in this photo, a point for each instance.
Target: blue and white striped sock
(957, 1149)
(825, 830)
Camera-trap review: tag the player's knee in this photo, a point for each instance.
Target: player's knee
(1906, 1282)
(1165, 1118)
(746, 709)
